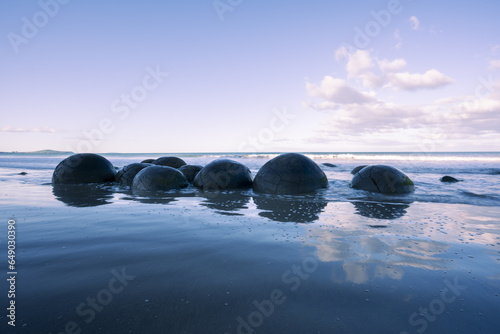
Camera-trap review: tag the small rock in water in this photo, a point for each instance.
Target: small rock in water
(23, 173)
(448, 179)
(327, 164)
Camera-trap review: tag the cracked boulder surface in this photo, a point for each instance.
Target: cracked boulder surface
(159, 178)
(84, 168)
(125, 176)
(382, 179)
(222, 174)
(290, 173)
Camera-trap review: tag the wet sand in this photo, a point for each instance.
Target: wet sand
(236, 262)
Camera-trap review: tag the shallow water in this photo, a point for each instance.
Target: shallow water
(337, 261)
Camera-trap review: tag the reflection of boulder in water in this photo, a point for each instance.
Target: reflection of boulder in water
(381, 210)
(226, 201)
(83, 195)
(155, 197)
(298, 209)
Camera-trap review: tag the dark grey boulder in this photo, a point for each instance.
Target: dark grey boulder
(382, 179)
(357, 169)
(23, 173)
(173, 162)
(449, 179)
(84, 168)
(327, 164)
(223, 174)
(289, 173)
(147, 161)
(190, 171)
(159, 178)
(125, 176)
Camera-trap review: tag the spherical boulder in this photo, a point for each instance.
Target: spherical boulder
(382, 179)
(223, 174)
(449, 179)
(290, 173)
(158, 178)
(125, 176)
(84, 168)
(190, 171)
(147, 161)
(173, 162)
(357, 169)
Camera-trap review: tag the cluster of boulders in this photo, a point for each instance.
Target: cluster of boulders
(289, 173)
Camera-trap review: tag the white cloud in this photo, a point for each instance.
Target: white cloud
(341, 53)
(388, 66)
(337, 91)
(415, 23)
(399, 40)
(24, 130)
(495, 64)
(413, 81)
(359, 62)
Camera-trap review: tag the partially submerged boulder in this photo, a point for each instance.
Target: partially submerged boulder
(382, 179)
(223, 174)
(84, 168)
(449, 179)
(147, 161)
(327, 164)
(159, 178)
(289, 173)
(173, 162)
(125, 176)
(190, 171)
(357, 169)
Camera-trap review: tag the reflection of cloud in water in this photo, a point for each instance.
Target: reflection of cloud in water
(367, 255)
(226, 202)
(83, 195)
(380, 210)
(298, 209)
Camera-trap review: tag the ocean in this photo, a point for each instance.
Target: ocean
(102, 259)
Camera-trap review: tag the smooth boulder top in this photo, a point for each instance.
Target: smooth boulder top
(382, 179)
(159, 178)
(190, 171)
(84, 168)
(449, 179)
(357, 169)
(173, 162)
(223, 174)
(290, 173)
(125, 176)
(147, 161)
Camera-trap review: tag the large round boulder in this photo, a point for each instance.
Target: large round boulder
(223, 174)
(190, 171)
(173, 162)
(84, 168)
(158, 178)
(382, 179)
(125, 176)
(289, 173)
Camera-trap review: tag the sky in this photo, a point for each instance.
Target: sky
(249, 76)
